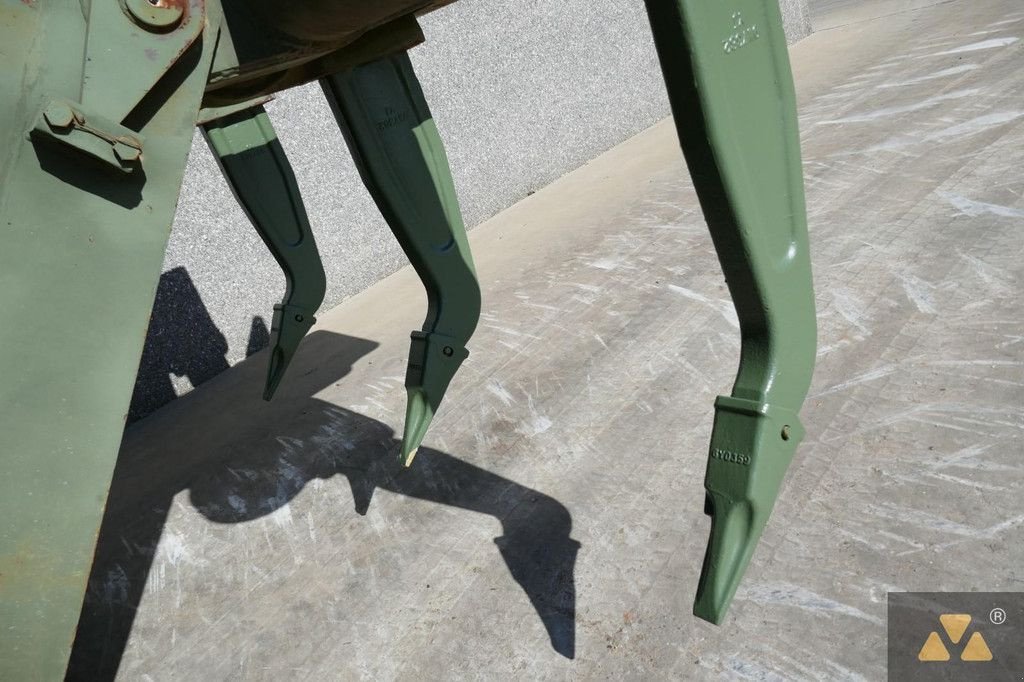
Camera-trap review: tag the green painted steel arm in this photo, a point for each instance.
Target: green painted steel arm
(382, 112)
(255, 165)
(731, 90)
(86, 204)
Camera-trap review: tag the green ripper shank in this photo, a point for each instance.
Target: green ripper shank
(730, 86)
(395, 144)
(254, 164)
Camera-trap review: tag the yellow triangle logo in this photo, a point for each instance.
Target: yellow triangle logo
(955, 625)
(934, 649)
(976, 649)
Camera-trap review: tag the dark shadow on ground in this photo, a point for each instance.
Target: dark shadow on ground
(207, 453)
(182, 340)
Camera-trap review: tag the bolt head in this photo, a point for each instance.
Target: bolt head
(126, 152)
(58, 115)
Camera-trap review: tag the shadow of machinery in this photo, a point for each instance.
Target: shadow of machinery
(204, 459)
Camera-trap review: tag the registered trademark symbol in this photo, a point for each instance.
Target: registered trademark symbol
(997, 616)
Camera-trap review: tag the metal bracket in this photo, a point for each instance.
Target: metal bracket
(68, 123)
(151, 40)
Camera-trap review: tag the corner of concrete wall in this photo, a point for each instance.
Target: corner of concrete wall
(521, 96)
(796, 19)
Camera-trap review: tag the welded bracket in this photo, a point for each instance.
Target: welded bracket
(151, 37)
(64, 121)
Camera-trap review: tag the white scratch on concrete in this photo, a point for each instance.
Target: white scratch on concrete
(899, 538)
(844, 672)
(606, 263)
(994, 278)
(873, 375)
(537, 424)
(748, 670)
(918, 291)
(724, 308)
(990, 533)
(945, 73)
(882, 114)
(967, 482)
(282, 516)
(802, 598)
(983, 45)
(922, 519)
(851, 309)
(510, 331)
(970, 127)
(977, 125)
(973, 208)
(174, 549)
(495, 388)
(311, 526)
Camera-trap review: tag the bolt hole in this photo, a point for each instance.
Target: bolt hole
(298, 318)
(785, 433)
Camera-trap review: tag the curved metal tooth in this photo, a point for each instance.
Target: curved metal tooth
(735, 114)
(384, 117)
(255, 165)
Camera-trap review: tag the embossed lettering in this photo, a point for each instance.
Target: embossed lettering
(742, 34)
(728, 456)
(391, 119)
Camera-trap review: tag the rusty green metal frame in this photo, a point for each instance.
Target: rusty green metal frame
(82, 240)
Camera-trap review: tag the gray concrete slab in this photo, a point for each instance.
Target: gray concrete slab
(552, 527)
(828, 14)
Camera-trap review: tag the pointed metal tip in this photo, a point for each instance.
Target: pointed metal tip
(289, 327)
(712, 613)
(418, 415)
(751, 445)
(735, 530)
(279, 361)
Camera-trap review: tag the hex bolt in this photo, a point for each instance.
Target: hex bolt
(299, 318)
(127, 152)
(58, 115)
(448, 351)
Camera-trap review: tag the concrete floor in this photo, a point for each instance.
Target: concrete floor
(829, 14)
(552, 528)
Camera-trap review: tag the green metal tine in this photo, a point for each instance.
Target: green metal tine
(384, 117)
(254, 163)
(731, 90)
